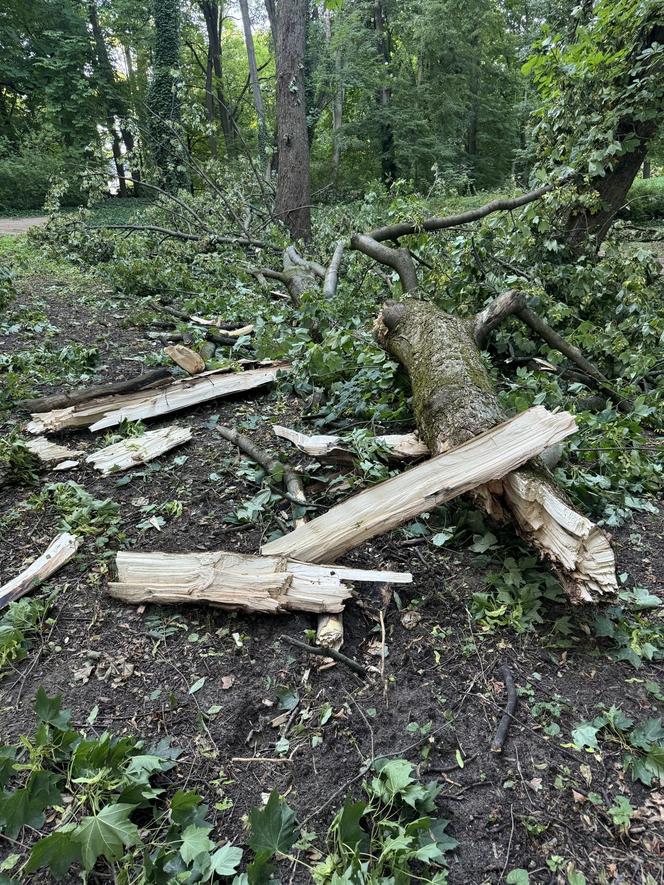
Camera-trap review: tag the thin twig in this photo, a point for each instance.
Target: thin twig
(326, 653)
(504, 725)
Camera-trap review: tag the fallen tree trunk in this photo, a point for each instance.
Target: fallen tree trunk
(387, 505)
(454, 400)
(268, 584)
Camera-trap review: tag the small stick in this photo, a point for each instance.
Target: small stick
(326, 653)
(504, 725)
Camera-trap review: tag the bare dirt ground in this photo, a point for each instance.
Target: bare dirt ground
(441, 696)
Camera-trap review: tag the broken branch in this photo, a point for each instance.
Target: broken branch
(326, 653)
(504, 726)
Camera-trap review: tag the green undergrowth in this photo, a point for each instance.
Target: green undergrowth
(88, 801)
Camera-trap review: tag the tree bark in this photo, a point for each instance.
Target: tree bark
(292, 204)
(454, 400)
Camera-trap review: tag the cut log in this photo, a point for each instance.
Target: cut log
(387, 505)
(269, 584)
(187, 359)
(153, 378)
(454, 400)
(47, 451)
(330, 631)
(180, 394)
(58, 553)
(138, 449)
(400, 446)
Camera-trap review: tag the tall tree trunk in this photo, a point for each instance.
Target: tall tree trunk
(292, 205)
(213, 21)
(645, 170)
(209, 108)
(253, 76)
(163, 100)
(387, 160)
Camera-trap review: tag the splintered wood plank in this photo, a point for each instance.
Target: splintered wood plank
(58, 553)
(269, 584)
(186, 358)
(385, 506)
(180, 394)
(47, 451)
(579, 550)
(400, 446)
(138, 449)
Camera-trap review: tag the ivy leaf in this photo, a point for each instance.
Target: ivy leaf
(106, 834)
(655, 762)
(26, 806)
(396, 776)
(226, 859)
(195, 841)
(57, 852)
(272, 827)
(7, 758)
(482, 543)
(49, 710)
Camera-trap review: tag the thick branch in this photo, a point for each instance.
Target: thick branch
(397, 259)
(332, 273)
(83, 394)
(496, 312)
(403, 228)
(312, 266)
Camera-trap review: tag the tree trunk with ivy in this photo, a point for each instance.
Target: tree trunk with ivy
(163, 101)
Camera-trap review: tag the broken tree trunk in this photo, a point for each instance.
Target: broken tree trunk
(454, 400)
(58, 553)
(377, 510)
(180, 394)
(138, 449)
(269, 584)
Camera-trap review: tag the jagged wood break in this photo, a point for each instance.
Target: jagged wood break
(387, 505)
(268, 584)
(110, 411)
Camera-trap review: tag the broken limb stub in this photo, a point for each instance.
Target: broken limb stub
(454, 400)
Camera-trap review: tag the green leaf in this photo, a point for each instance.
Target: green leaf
(7, 759)
(197, 685)
(57, 852)
(647, 734)
(621, 812)
(654, 762)
(106, 834)
(395, 776)
(518, 877)
(26, 805)
(183, 806)
(273, 827)
(348, 827)
(226, 860)
(49, 710)
(195, 841)
(482, 543)
(585, 735)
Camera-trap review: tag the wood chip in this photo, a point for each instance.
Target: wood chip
(186, 358)
(58, 553)
(138, 449)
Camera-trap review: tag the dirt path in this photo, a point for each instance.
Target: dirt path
(12, 227)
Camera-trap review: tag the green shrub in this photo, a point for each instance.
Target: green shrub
(646, 199)
(25, 178)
